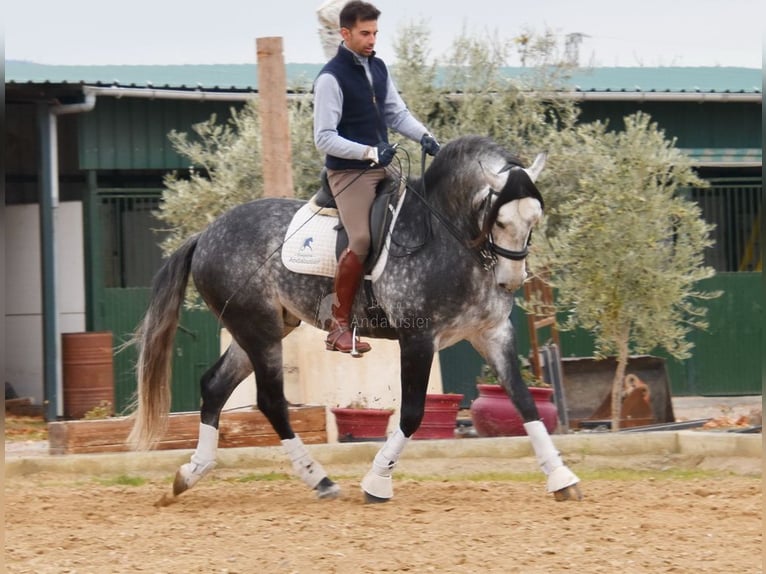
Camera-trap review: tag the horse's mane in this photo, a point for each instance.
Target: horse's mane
(458, 167)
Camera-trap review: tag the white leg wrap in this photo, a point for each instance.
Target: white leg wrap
(559, 476)
(378, 481)
(307, 469)
(203, 459)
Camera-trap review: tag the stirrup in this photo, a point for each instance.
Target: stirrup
(354, 353)
(331, 341)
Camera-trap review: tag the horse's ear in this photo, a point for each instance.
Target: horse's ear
(497, 180)
(533, 171)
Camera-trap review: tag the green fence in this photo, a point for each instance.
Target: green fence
(124, 255)
(195, 348)
(726, 359)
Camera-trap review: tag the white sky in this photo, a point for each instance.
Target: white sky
(620, 33)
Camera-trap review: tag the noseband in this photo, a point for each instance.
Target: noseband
(490, 250)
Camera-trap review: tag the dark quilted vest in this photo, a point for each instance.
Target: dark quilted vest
(362, 117)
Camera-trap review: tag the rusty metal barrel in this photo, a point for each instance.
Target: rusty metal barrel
(88, 373)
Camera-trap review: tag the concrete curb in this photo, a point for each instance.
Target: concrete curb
(691, 443)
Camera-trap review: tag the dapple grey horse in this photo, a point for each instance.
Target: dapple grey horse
(458, 252)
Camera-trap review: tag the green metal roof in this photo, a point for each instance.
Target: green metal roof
(244, 77)
(725, 156)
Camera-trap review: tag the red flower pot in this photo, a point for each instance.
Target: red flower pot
(493, 413)
(440, 417)
(358, 425)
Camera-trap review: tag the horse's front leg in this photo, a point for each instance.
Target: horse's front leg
(499, 350)
(416, 356)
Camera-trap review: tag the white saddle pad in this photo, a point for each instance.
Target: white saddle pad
(309, 245)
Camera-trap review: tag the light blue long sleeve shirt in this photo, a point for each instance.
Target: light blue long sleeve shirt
(328, 108)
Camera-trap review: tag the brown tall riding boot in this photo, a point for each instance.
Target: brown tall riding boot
(348, 276)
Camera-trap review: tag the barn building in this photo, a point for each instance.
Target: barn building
(87, 149)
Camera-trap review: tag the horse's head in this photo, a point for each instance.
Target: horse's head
(507, 218)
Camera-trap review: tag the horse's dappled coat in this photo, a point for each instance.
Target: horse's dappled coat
(435, 291)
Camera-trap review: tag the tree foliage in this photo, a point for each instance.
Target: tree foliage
(224, 171)
(225, 167)
(629, 253)
(627, 256)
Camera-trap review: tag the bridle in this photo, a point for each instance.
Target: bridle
(487, 254)
(490, 250)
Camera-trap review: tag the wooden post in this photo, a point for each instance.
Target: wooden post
(275, 128)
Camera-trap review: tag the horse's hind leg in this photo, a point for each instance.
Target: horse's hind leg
(216, 387)
(267, 363)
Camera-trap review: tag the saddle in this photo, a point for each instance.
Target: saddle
(381, 214)
(316, 237)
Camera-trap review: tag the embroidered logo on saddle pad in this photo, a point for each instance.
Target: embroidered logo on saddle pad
(309, 245)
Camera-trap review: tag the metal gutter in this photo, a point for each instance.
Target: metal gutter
(637, 96)
(49, 201)
(169, 94)
(726, 163)
(591, 96)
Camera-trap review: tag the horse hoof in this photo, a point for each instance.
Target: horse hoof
(372, 499)
(180, 484)
(569, 493)
(165, 500)
(327, 489)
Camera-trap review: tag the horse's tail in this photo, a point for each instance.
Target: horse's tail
(154, 340)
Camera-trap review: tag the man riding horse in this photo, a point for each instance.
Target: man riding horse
(355, 102)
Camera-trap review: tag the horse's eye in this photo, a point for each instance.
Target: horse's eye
(500, 224)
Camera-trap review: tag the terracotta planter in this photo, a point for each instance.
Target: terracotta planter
(493, 413)
(361, 425)
(440, 417)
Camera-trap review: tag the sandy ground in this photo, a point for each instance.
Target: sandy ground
(640, 514)
(442, 519)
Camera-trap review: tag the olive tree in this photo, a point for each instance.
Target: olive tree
(225, 167)
(225, 157)
(627, 255)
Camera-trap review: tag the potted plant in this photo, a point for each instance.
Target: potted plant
(357, 422)
(440, 416)
(493, 413)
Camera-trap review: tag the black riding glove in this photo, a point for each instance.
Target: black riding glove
(385, 153)
(429, 144)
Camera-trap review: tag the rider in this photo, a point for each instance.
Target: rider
(355, 102)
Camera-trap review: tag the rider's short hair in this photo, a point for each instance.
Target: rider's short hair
(357, 11)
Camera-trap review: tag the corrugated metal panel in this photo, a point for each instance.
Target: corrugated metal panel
(132, 133)
(728, 355)
(195, 348)
(713, 126)
(704, 79)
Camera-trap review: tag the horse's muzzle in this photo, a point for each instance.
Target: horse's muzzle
(511, 281)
